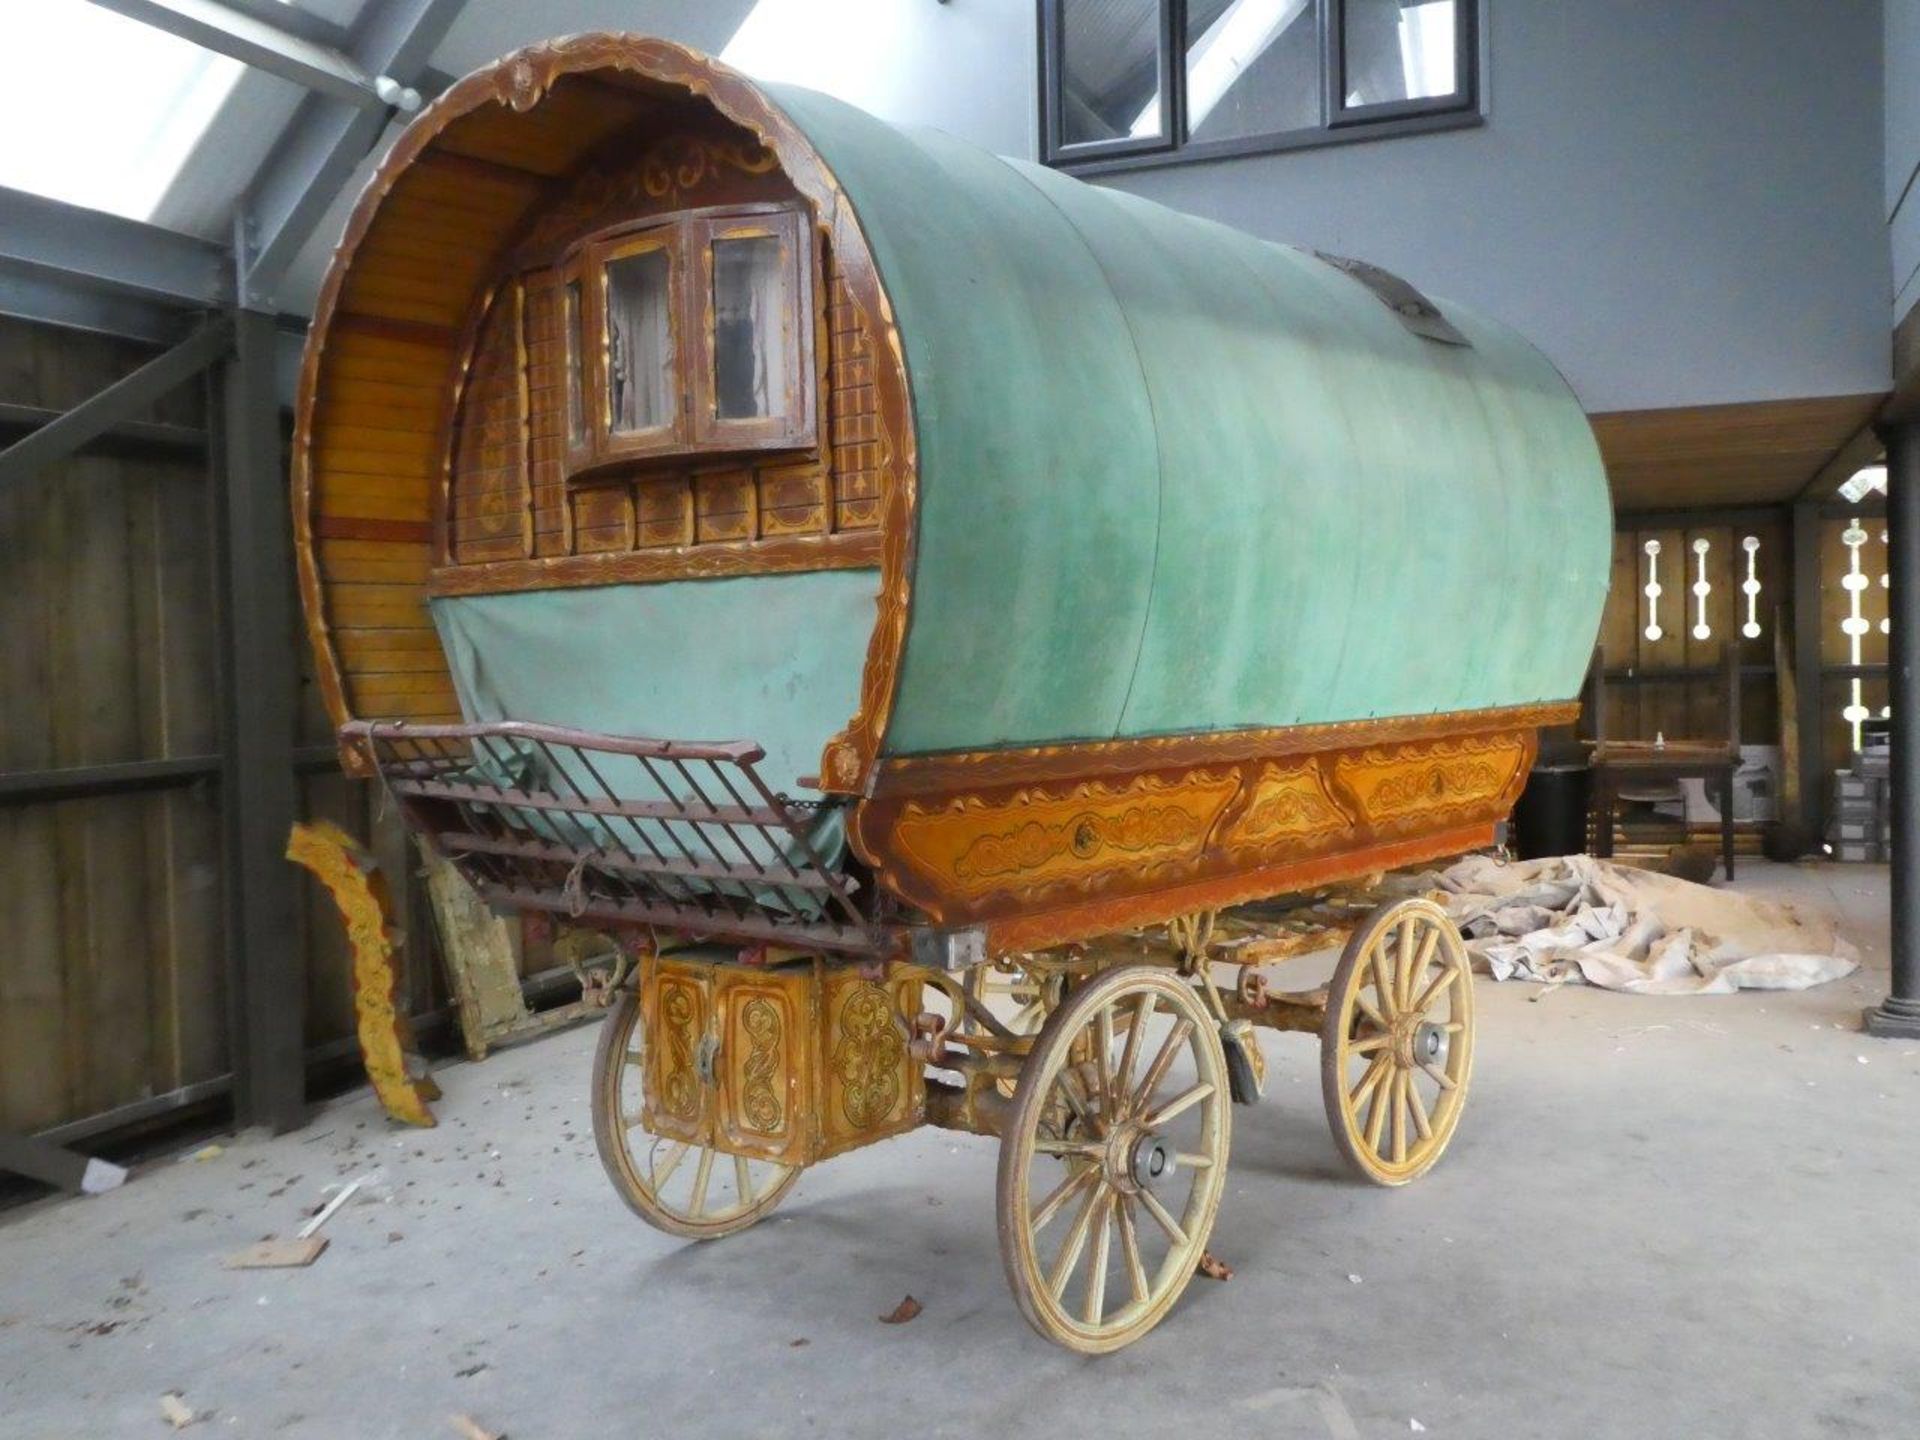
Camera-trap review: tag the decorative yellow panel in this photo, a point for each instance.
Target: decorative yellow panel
(1290, 805)
(766, 1061)
(870, 1086)
(675, 1011)
(1437, 783)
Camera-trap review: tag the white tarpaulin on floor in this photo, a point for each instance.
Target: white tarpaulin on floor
(1578, 918)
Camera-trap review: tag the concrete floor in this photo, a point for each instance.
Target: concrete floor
(1660, 1218)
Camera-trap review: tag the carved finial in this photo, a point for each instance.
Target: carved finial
(523, 89)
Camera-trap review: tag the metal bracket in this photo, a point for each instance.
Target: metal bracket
(1414, 310)
(949, 950)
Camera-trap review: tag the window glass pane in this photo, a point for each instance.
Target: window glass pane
(1109, 70)
(752, 322)
(570, 327)
(1253, 68)
(639, 342)
(1400, 50)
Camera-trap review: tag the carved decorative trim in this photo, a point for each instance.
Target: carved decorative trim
(761, 1074)
(519, 81)
(1034, 842)
(978, 769)
(1001, 854)
(867, 1058)
(859, 550)
(1421, 785)
(1287, 805)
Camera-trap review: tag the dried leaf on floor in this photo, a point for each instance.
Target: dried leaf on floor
(1213, 1267)
(471, 1429)
(273, 1254)
(901, 1313)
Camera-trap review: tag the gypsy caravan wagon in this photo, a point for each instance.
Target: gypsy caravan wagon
(863, 575)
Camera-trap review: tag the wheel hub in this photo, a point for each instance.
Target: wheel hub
(1429, 1043)
(1140, 1160)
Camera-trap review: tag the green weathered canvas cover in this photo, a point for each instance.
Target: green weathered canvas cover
(1172, 478)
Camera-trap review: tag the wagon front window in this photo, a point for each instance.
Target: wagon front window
(753, 312)
(640, 359)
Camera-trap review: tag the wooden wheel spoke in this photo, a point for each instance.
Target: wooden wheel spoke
(1075, 1243)
(1377, 1109)
(1444, 1080)
(1089, 1120)
(1130, 1252)
(1097, 1275)
(1084, 1149)
(1165, 1221)
(1383, 979)
(1448, 974)
(1417, 1107)
(1187, 1160)
(1162, 1062)
(1397, 1098)
(1123, 1074)
(743, 1179)
(664, 1172)
(1417, 968)
(701, 1175)
(1403, 953)
(1376, 1071)
(1370, 1010)
(1367, 1044)
(1180, 1104)
(1103, 1056)
(1059, 1196)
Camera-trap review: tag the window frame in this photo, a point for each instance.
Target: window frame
(1338, 122)
(695, 430)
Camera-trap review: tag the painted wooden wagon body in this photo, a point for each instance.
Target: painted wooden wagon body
(1076, 569)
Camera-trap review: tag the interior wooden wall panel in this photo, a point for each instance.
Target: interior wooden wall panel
(112, 980)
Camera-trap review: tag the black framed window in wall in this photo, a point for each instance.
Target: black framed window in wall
(1126, 83)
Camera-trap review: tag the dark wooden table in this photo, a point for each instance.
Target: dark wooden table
(1619, 764)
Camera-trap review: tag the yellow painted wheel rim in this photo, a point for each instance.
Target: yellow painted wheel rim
(1397, 1043)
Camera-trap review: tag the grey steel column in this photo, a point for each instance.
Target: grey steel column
(266, 963)
(1899, 1014)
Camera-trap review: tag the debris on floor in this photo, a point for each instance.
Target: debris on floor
(1213, 1267)
(277, 1254)
(175, 1410)
(471, 1429)
(901, 1313)
(325, 1213)
(1576, 918)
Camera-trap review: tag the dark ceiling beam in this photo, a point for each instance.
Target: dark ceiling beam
(269, 46)
(120, 402)
(46, 237)
(324, 141)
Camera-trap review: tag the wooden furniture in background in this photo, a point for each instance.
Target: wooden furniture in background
(1618, 764)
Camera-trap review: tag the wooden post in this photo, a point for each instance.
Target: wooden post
(1898, 1016)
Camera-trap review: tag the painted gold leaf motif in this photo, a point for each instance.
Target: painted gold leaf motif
(759, 1098)
(1290, 803)
(1037, 837)
(867, 1058)
(1432, 782)
(679, 1088)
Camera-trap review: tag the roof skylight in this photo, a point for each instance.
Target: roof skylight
(100, 110)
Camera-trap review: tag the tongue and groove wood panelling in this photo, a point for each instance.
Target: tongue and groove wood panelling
(394, 339)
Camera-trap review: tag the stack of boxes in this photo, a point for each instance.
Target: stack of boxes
(1859, 829)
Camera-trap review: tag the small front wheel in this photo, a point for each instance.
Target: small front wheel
(1396, 1046)
(1118, 1133)
(683, 1188)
